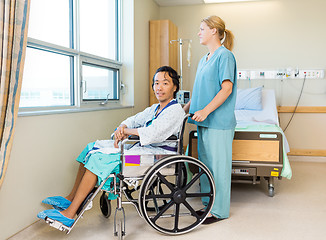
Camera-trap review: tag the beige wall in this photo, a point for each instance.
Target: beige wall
(42, 159)
(270, 35)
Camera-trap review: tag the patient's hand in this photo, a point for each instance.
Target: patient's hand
(119, 133)
(116, 143)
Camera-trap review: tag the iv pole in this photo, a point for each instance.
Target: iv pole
(180, 40)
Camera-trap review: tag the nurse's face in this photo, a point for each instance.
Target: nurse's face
(163, 87)
(205, 34)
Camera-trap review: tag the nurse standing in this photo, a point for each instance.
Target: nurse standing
(213, 103)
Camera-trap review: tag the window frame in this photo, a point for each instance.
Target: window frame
(101, 63)
(79, 57)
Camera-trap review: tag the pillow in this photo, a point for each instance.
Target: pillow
(249, 99)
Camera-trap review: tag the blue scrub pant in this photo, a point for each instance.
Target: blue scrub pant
(215, 151)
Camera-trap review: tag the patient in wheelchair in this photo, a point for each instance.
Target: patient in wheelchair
(101, 158)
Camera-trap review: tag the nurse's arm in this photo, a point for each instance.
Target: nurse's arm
(186, 107)
(217, 101)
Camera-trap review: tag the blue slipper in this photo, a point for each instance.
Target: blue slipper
(56, 215)
(58, 202)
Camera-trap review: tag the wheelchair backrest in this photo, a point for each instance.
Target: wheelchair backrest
(181, 133)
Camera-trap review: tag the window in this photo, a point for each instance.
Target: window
(72, 57)
(98, 83)
(46, 76)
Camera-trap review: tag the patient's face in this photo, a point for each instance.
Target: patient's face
(163, 87)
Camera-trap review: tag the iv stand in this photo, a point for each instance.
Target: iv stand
(180, 40)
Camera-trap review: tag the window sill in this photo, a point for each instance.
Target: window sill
(38, 112)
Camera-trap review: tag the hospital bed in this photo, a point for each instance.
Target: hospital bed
(159, 188)
(259, 146)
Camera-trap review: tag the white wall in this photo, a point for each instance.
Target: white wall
(270, 35)
(42, 159)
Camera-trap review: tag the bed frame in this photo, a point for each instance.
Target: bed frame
(254, 155)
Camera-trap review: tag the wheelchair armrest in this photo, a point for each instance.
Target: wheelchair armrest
(173, 137)
(134, 137)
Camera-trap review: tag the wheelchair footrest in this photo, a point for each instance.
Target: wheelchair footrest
(89, 206)
(56, 224)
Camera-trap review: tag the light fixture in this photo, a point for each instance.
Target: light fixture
(225, 1)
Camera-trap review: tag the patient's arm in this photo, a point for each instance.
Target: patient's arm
(123, 132)
(131, 131)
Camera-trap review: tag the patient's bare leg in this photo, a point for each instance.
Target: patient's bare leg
(80, 174)
(87, 183)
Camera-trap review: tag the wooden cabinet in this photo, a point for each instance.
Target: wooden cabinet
(161, 52)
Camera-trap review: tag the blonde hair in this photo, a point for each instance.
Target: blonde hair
(218, 23)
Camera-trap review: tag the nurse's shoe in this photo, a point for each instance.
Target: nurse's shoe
(57, 216)
(212, 219)
(201, 212)
(58, 202)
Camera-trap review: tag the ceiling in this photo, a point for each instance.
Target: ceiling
(166, 3)
(169, 3)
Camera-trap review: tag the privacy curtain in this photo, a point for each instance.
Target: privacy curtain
(13, 40)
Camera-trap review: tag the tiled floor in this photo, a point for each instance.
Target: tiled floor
(297, 211)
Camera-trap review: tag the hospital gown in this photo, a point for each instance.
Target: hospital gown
(102, 159)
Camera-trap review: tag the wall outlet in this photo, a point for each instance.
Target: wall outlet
(243, 75)
(288, 73)
(311, 74)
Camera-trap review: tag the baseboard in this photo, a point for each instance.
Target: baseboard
(307, 152)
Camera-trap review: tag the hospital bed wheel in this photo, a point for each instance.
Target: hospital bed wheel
(105, 205)
(182, 199)
(271, 191)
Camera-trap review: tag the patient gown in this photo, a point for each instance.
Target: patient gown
(102, 159)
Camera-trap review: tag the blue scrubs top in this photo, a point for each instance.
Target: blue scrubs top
(209, 77)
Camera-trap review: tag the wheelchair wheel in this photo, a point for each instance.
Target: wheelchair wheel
(182, 199)
(157, 187)
(105, 205)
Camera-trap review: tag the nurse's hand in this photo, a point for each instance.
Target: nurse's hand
(200, 115)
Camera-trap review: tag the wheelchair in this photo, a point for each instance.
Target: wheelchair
(160, 187)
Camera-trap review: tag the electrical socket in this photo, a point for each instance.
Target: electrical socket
(311, 74)
(288, 73)
(243, 75)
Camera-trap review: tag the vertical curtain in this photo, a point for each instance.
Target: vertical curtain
(13, 39)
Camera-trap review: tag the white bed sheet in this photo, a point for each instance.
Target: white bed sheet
(267, 116)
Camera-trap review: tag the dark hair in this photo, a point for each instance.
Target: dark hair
(173, 74)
